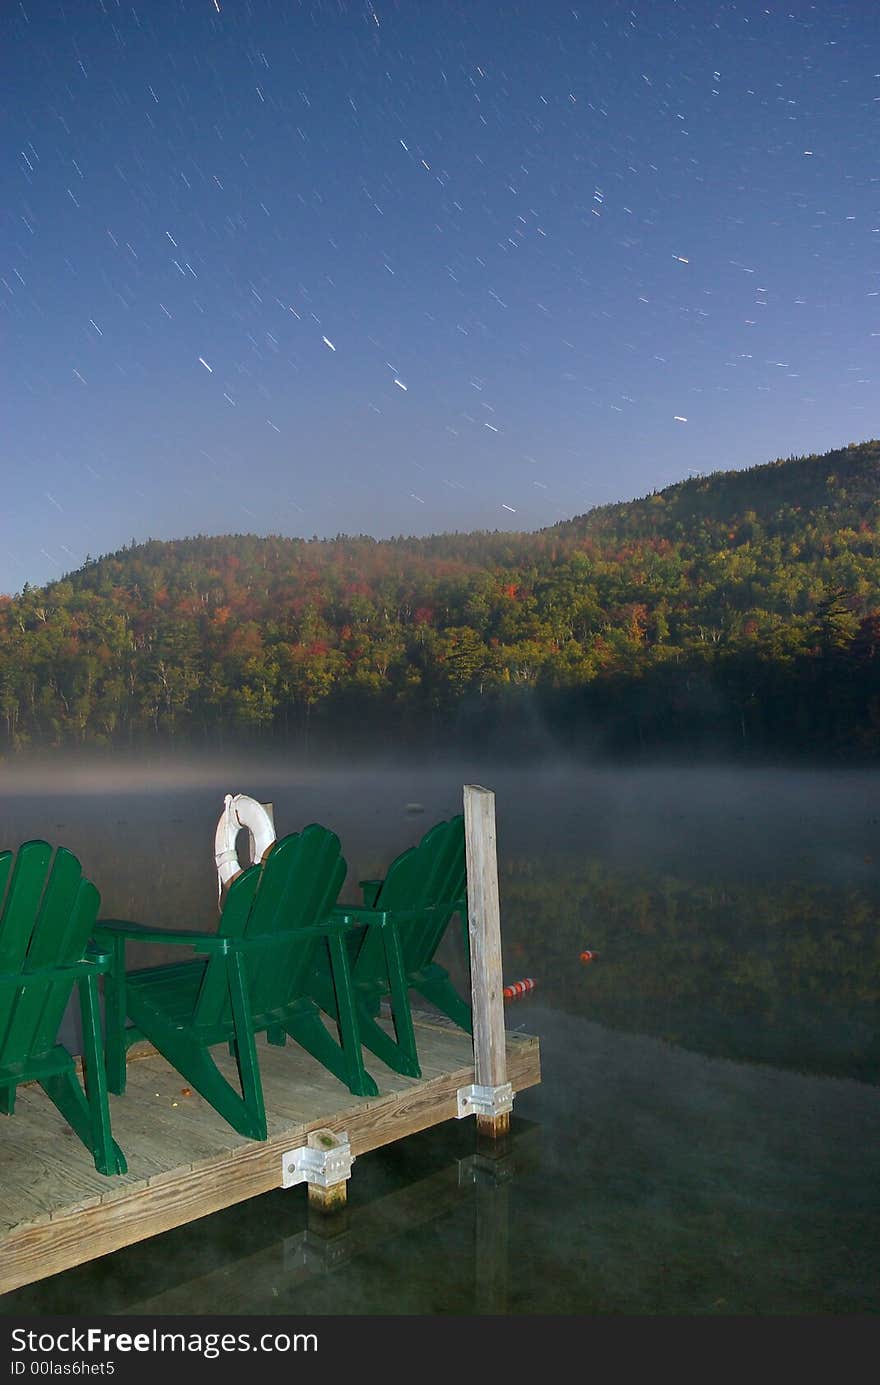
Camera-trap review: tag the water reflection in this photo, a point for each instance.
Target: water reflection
(478, 1182)
(490, 1174)
(783, 972)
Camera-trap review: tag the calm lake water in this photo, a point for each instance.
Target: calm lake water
(705, 1138)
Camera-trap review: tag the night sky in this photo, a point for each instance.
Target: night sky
(400, 268)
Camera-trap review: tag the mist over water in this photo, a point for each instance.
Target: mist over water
(712, 1074)
(715, 822)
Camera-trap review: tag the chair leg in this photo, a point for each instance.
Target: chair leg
(276, 1035)
(245, 1047)
(308, 1030)
(401, 1013)
(64, 1091)
(245, 1111)
(194, 1062)
(374, 1037)
(322, 993)
(303, 1022)
(441, 992)
(350, 1037)
(108, 1156)
(114, 1018)
(7, 1099)
(399, 1053)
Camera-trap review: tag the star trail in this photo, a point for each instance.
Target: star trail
(320, 268)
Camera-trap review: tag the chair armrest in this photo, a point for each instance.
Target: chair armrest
(359, 914)
(66, 970)
(316, 930)
(350, 914)
(109, 929)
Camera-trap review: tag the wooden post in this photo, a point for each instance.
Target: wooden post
(324, 1163)
(484, 928)
(328, 1201)
(491, 1242)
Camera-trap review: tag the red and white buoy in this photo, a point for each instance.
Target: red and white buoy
(519, 988)
(588, 956)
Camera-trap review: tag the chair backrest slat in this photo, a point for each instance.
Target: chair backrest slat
(6, 989)
(295, 887)
(299, 890)
(213, 998)
(22, 902)
(83, 904)
(47, 920)
(17, 922)
(6, 859)
(432, 873)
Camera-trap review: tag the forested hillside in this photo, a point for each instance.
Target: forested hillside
(736, 611)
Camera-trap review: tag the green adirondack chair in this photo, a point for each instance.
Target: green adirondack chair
(45, 925)
(274, 932)
(401, 923)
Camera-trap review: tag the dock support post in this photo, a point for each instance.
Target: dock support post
(325, 1200)
(491, 1096)
(490, 1175)
(324, 1163)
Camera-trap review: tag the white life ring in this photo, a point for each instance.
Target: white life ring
(240, 811)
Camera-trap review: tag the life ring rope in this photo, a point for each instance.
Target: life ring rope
(240, 810)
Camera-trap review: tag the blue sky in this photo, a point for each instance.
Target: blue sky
(403, 268)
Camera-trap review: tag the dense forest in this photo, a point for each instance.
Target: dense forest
(737, 612)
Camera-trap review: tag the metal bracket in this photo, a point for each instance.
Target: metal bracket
(484, 1101)
(325, 1160)
(315, 1254)
(482, 1171)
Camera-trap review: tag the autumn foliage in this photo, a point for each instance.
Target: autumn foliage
(738, 608)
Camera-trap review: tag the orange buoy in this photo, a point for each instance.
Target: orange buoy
(519, 988)
(587, 956)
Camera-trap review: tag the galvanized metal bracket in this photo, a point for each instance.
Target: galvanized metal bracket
(483, 1171)
(317, 1254)
(324, 1161)
(484, 1101)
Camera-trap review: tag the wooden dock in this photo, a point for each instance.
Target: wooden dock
(185, 1162)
